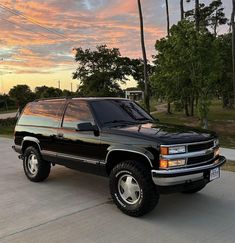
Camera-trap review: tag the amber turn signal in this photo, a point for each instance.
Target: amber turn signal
(164, 151)
(163, 164)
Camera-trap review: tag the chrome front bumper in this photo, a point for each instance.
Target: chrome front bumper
(184, 175)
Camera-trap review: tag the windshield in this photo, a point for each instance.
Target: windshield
(113, 112)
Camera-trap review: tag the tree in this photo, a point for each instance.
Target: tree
(47, 92)
(146, 93)
(101, 71)
(167, 18)
(187, 65)
(168, 34)
(210, 16)
(137, 66)
(181, 9)
(22, 94)
(233, 47)
(225, 83)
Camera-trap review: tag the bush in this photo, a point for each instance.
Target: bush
(8, 122)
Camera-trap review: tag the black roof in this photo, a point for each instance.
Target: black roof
(80, 98)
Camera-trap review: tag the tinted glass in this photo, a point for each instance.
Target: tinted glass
(42, 113)
(77, 112)
(108, 111)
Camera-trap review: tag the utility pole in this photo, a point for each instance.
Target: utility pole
(233, 48)
(59, 84)
(71, 87)
(146, 92)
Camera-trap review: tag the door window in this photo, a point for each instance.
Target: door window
(77, 112)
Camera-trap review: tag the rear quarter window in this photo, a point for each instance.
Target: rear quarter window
(42, 113)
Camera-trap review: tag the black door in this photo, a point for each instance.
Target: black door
(77, 146)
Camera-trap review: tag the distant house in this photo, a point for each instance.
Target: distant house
(135, 95)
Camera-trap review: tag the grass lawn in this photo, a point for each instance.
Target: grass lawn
(221, 121)
(9, 111)
(230, 166)
(6, 131)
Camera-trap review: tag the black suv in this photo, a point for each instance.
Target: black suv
(117, 138)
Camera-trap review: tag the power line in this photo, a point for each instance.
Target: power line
(11, 22)
(31, 20)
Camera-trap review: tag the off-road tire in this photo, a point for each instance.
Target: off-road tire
(43, 167)
(148, 196)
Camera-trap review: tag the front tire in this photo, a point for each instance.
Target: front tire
(132, 188)
(35, 168)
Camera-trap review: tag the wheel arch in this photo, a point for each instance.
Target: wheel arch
(30, 141)
(116, 156)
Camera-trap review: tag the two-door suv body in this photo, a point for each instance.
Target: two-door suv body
(117, 138)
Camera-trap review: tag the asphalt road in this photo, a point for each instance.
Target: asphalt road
(7, 115)
(76, 207)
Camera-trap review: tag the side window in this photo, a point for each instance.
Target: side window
(42, 113)
(77, 112)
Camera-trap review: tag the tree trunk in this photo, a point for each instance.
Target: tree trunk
(233, 48)
(168, 108)
(167, 18)
(146, 93)
(182, 9)
(168, 34)
(186, 107)
(191, 106)
(197, 15)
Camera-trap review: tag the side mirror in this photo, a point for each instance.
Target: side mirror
(86, 126)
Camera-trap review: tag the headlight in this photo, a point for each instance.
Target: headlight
(164, 164)
(173, 150)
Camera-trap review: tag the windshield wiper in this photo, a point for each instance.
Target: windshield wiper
(144, 120)
(119, 121)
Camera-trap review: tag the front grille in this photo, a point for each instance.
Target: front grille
(200, 146)
(200, 159)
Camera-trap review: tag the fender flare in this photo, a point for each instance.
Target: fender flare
(141, 151)
(31, 139)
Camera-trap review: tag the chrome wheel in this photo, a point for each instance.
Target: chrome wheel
(129, 189)
(32, 164)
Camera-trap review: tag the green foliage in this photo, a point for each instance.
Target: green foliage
(47, 92)
(6, 102)
(8, 122)
(187, 66)
(225, 83)
(21, 94)
(210, 16)
(100, 71)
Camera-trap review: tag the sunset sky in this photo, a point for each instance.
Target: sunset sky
(37, 37)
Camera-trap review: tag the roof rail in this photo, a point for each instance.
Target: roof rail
(52, 98)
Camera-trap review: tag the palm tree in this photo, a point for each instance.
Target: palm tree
(182, 9)
(167, 18)
(233, 47)
(197, 15)
(168, 34)
(146, 93)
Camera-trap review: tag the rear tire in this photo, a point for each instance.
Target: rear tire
(35, 168)
(132, 188)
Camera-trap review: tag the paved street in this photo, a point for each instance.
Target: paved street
(7, 115)
(228, 153)
(76, 207)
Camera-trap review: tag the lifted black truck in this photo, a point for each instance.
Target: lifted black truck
(117, 138)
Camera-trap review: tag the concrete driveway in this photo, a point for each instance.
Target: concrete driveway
(76, 207)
